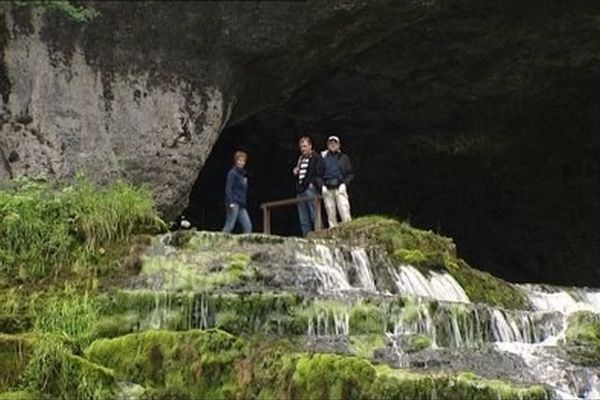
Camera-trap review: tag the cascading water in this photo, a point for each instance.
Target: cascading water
(413, 302)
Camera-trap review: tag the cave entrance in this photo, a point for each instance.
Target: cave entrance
(272, 150)
(271, 142)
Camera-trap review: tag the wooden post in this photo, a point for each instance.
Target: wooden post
(318, 216)
(266, 208)
(266, 220)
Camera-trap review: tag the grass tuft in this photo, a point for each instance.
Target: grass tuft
(46, 230)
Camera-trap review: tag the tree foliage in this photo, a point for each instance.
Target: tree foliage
(75, 12)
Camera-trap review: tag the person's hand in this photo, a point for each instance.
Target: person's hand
(342, 188)
(232, 205)
(296, 171)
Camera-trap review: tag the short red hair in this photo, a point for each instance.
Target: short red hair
(240, 154)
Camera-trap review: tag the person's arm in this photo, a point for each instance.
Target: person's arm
(319, 170)
(349, 173)
(229, 188)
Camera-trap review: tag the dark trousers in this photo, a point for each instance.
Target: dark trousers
(306, 211)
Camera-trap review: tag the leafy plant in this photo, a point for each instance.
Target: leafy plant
(75, 12)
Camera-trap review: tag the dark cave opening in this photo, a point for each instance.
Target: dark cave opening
(502, 200)
(271, 147)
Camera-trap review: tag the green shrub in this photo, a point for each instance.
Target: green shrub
(46, 230)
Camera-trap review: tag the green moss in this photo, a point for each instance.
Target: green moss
(116, 325)
(271, 368)
(14, 352)
(425, 249)
(583, 338)
(329, 376)
(366, 318)
(419, 342)
(200, 362)
(365, 345)
(403, 243)
(482, 287)
(47, 368)
(55, 372)
(399, 384)
(198, 271)
(18, 395)
(214, 364)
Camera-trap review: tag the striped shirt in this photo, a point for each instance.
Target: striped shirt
(303, 168)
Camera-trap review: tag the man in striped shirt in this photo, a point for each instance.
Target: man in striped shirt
(309, 178)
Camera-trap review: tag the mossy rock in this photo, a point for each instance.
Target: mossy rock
(201, 362)
(329, 376)
(582, 338)
(482, 287)
(399, 384)
(47, 367)
(403, 243)
(418, 343)
(427, 250)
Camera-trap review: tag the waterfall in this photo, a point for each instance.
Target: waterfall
(345, 292)
(440, 286)
(327, 264)
(329, 323)
(363, 268)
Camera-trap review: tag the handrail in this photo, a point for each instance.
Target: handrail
(266, 207)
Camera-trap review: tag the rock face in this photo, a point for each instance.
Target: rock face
(479, 117)
(143, 92)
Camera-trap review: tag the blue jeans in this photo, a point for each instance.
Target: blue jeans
(306, 211)
(234, 214)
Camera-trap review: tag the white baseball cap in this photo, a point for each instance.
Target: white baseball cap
(333, 138)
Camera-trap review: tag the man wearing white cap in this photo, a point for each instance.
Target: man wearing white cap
(338, 175)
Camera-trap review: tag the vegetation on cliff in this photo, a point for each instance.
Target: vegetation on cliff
(73, 11)
(47, 231)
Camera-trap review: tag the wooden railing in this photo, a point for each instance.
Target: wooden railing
(266, 208)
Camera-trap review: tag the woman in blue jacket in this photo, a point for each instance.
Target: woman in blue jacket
(235, 195)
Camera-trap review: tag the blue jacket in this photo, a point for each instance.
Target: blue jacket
(236, 187)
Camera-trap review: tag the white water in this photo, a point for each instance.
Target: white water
(363, 268)
(327, 264)
(569, 381)
(534, 336)
(439, 286)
